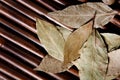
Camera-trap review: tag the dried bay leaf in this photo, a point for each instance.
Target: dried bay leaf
(114, 64)
(75, 41)
(112, 40)
(93, 61)
(50, 64)
(51, 38)
(77, 15)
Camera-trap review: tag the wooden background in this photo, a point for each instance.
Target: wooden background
(20, 49)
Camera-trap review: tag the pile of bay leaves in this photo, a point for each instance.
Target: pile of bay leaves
(96, 55)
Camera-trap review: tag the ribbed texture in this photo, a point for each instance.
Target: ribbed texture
(20, 49)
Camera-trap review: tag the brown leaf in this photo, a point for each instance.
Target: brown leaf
(77, 15)
(51, 38)
(93, 61)
(50, 64)
(114, 64)
(75, 41)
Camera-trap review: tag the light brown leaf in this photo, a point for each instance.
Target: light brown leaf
(112, 40)
(77, 15)
(93, 61)
(50, 64)
(51, 38)
(75, 41)
(114, 64)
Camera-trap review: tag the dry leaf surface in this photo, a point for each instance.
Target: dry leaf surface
(77, 15)
(93, 61)
(50, 64)
(112, 40)
(51, 38)
(75, 41)
(114, 64)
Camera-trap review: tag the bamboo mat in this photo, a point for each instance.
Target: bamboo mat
(20, 49)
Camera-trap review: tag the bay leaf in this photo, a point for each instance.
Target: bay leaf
(93, 61)
(50, 64)
(114, 65)
(76, 15)
(51, 38)
(75, 41)
(65, 32)
(112, 40)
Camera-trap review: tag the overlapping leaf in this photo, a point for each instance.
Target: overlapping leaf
(84, 45)
(94, 59)
(51, 38)
(114, 65)
(112, 40)
(77, 15)
(64, 32)
(75, 41)
(50, 64)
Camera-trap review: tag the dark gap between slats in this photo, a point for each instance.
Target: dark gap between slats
(23, 10)
(7, 42)
(24, 38)
(5, 77)
(43, 5)
(24, 68)
(22, 43)
(110, 28)
(10, 72)
(24, 33)
(19, 18)
(25, 41)
(30, 77)
(24, 57)
(48, 5)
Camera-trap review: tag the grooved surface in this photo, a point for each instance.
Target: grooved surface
(20, 49)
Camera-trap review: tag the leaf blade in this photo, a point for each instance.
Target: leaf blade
(50, 64)
(51, 38)
(75, 41)
(112, 40)
(77, 15)
(114, 64)
(93, 61)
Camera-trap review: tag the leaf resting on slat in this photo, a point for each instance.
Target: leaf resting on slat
(51, 38)
(50, 64)
(93, 61)
(75, 41)
(77, 15)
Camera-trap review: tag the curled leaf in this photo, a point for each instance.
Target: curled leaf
(112, 40)
(75, 41)
(77, 15)
(50, 64)
(93, 61)
(51, 38)
(114, 64)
